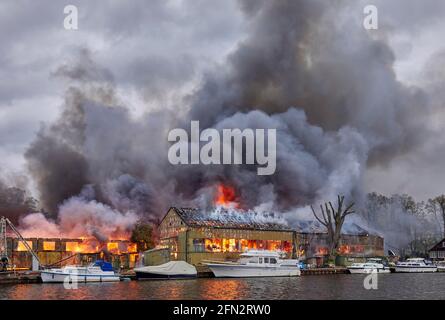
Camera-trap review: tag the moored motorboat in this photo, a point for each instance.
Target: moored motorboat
(169, 270)
(99, 271)
(371, 265)
(440, 266)
(415, 265)
(256, 263)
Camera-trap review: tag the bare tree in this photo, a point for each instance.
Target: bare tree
(333, 220)
(437, 206)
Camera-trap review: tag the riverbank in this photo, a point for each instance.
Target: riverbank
(327, 287)
(20, 277)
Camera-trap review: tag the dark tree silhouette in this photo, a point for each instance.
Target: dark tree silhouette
(333, 220)
(437, 206)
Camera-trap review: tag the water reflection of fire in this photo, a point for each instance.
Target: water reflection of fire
(224, 290)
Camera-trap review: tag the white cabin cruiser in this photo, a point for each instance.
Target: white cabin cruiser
(371, 265)
(415, 265)
(256, 263)
(169, 270)
(99, 271)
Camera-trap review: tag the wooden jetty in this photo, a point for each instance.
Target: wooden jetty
(324, 271)
(205, 272)
(17, 277)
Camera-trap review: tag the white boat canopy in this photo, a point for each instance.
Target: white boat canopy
(169, 268)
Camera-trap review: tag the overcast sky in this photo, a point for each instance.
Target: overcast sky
(157, 51)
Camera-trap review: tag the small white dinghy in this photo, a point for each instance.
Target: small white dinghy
(169, 270)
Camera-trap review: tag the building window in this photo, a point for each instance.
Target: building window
(252, 244)
(199, 245)
(213, 245)
(21, 245)
(132, 247)
(49, 245)
(230, 245)
(240, 245)
(112, 246)
(322, 251)
(72, 246)
(243, 245)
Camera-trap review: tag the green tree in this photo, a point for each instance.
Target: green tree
(142, 235)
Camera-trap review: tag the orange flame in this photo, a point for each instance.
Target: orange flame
(226, 196)
(86, 246)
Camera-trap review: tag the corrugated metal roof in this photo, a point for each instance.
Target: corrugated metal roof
(234, 219)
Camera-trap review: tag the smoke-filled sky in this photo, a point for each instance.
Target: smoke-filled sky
(355, 110)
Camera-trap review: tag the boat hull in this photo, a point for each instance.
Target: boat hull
(410, 269)
(157, 276)
(230, 271)
(56, 277)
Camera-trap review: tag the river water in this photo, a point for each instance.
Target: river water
(389, 286)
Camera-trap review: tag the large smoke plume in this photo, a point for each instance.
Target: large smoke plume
(325, 84)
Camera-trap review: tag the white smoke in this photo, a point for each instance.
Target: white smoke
(223, 214)
(81, 217)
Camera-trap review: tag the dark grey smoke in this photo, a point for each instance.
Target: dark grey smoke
(326, 85)
(306, 54)
(15, 202)
(55, 158)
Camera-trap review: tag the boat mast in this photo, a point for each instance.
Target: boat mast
(3, 244)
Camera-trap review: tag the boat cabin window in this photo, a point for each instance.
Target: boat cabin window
(266, 260)
(261, 260)
(273, 260)
(250, 260)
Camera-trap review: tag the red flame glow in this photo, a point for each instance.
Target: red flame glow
(226, 196)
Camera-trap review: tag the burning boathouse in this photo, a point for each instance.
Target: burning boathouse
(53, 251)
(193, 236)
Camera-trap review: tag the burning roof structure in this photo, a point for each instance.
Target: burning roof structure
(313, 226)
(233, 219)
